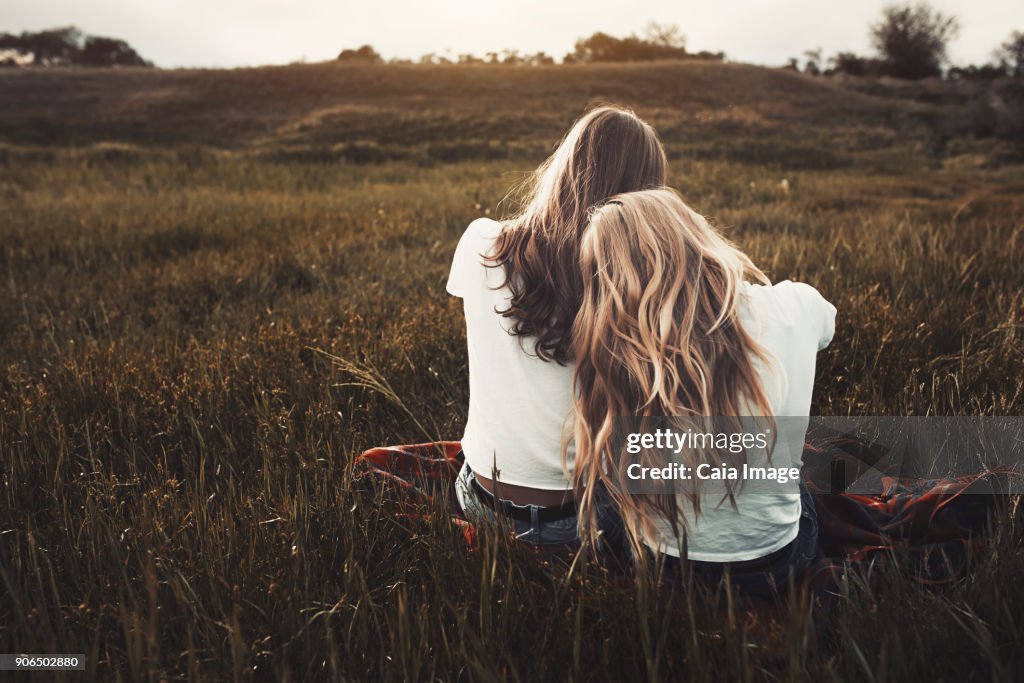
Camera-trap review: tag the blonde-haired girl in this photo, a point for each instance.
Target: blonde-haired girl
(676, 321)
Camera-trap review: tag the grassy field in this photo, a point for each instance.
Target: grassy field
(219, 286)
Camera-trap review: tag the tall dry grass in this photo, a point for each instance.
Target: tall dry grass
(195, 340)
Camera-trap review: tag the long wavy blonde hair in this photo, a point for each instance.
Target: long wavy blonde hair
(657, 334)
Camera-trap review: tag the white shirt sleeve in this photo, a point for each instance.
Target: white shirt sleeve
(461, 264)
(819, 314)
(456, 276)
(829, 327)
(469, 271)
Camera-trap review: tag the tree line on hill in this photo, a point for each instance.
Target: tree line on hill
(660, 41)
(911, 41)
(66, 46)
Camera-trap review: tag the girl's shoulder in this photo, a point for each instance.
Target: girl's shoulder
(785, 296)
(483, 229)
(477, 239)
(470, 267)
(792, 304)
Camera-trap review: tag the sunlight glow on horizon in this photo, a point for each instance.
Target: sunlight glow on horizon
(253, 32)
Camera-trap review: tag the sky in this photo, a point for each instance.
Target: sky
(227, 33)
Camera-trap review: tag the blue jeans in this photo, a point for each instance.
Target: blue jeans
(766, 577)
(555, 532)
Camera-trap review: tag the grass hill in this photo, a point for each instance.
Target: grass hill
(479, 111)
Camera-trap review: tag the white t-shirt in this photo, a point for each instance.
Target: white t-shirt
(791, 321)
(518, 403)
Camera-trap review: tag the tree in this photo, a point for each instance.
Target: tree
(365, 54)
(99, 51)
(666, 35)
(813, 64)
(46, 48)
(1011, 54)
(539, 59)
(599, 47)
(511, 57)
(69, 45)
(661, 42)
(912, 40)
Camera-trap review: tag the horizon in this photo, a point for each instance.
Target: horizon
(315, 30)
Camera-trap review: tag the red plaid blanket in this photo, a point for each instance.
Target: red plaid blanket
(931, 526)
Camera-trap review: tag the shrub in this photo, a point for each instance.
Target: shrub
(365, 54)
(985, 72)
(855, 65)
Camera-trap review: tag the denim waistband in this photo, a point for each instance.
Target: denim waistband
(522, 513)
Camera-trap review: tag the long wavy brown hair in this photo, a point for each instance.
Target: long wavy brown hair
(608, 151)
(657, 334)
